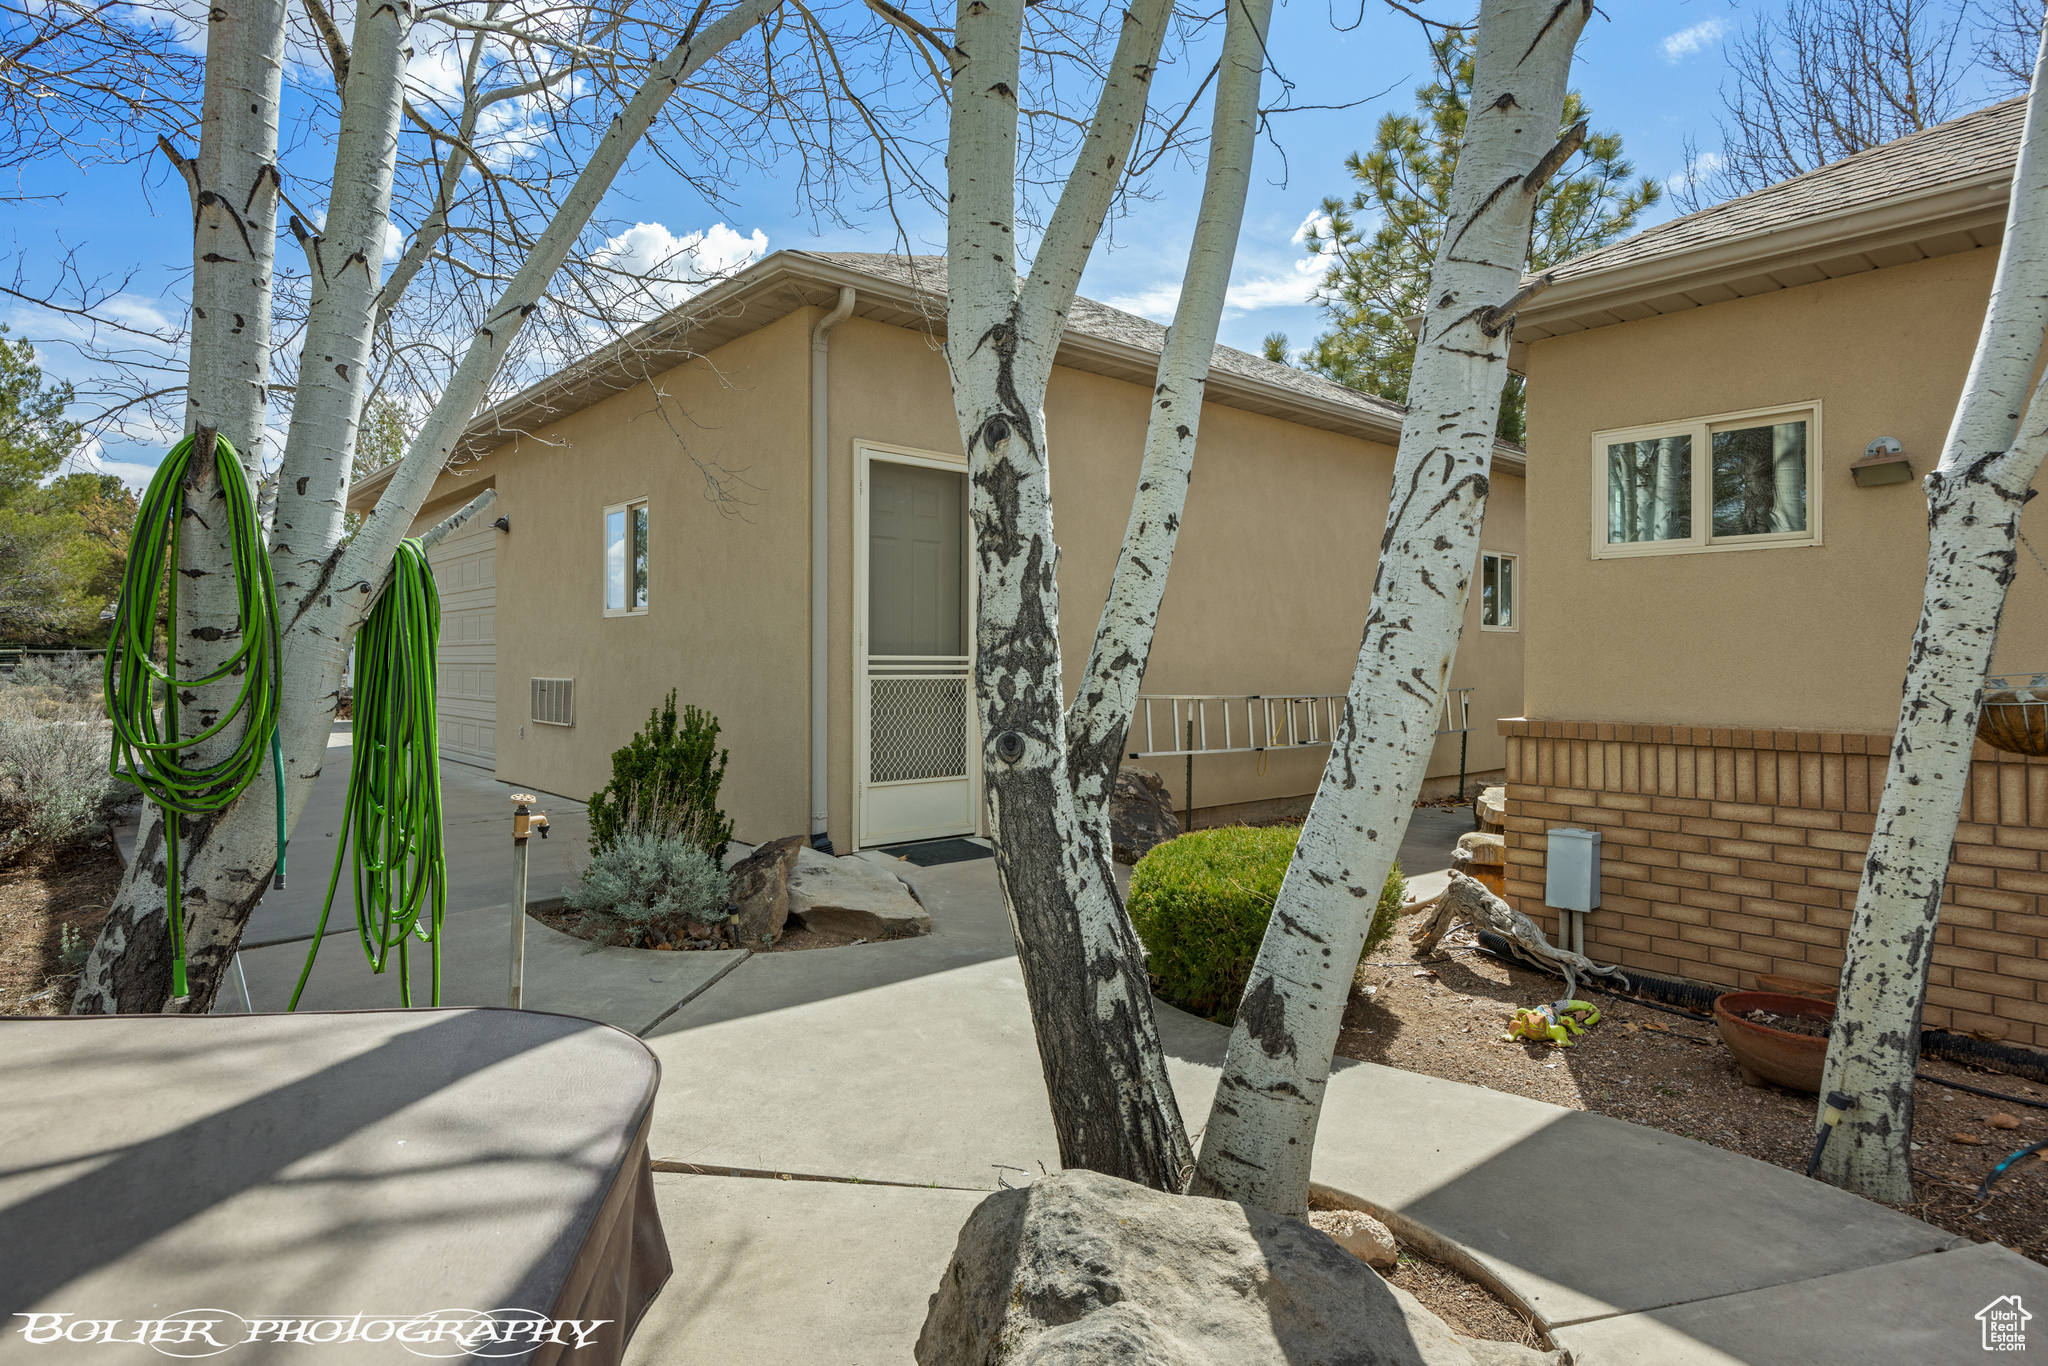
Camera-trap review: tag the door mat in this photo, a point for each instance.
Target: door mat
(930, 853)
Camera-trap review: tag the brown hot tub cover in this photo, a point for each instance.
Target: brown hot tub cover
(357, 1171)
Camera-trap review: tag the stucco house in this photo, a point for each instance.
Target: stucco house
(821, 606)
(1722, 601)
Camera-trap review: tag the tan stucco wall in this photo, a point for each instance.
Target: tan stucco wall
(728, 591)
(1272, 573)
(1268, 593)
(1808, 637)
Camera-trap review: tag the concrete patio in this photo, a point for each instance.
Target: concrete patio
(827, 1119)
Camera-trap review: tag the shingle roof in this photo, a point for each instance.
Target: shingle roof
(1089, 318)
(1978, 146)
(909, 292)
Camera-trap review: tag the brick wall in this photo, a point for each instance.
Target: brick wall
(1728, 853)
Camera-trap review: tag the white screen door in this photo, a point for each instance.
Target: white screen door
(916, 677)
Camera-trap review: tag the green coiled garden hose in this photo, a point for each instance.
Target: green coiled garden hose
(394, 781)
(148, 750)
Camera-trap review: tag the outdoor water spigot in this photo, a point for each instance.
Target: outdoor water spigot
(522, 818)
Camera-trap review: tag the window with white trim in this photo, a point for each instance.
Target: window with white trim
(1497, 575)
(625, 559)
(1740, 481)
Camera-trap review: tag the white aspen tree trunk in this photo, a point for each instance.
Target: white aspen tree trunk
(345, 266)
(1669, 490)
(234, 184)
(1262, 1125)
(1974, 499)
(1100, 717)
(230, 857)
(1091, 1004)
(1617, 495)
(1788, 481)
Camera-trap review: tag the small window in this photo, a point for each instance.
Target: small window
(1497, 591)
(1736, 482)
(625, 559)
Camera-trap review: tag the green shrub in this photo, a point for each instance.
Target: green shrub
(665, 782)
(54, 787)
(1200, 904)
(649, 882)
(73, 676)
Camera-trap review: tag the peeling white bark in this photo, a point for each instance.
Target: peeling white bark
(1262, 1126)
(1974, 499)
(1113, 1107)
(234, 187)
(230, 857)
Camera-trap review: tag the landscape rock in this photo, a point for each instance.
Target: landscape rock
(760, 888)
(1082, 1269)
(1359, 1234)
(1485, 848)
(854, 896)
(1140, 814)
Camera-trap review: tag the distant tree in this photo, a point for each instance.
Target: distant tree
(63, 539)
(2008, 35)
(1381, 241)
(383, 437)
(1824, 79)
(1275, 348)
(62, 549)
(35, 438)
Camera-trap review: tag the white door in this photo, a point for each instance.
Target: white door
(466, 575)
(915, 735)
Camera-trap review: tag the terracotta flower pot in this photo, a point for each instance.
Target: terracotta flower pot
(1773, 1055)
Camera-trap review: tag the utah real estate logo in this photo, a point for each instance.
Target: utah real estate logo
(2005, 1324)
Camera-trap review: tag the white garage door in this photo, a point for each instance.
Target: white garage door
(465, 572)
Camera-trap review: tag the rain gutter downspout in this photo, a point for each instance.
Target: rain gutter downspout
(821, 636)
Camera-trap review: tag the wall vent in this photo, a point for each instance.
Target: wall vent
(554, 701)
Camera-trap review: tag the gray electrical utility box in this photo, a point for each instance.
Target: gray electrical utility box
(1571, 879)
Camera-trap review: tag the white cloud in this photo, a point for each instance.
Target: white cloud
(1156, 302)
(92, 459)
(1264, 283)
(1317, 223)
(1704, 165)
(679, 267)
(1274, 291)
(394, 241)
(1690, 42)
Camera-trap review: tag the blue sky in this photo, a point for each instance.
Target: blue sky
(1649, 70)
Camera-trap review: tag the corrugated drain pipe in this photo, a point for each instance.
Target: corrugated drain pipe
(821, 513)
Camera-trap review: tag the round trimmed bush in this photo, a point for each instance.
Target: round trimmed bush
(1201, 902)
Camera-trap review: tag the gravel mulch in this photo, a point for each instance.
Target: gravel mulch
(1647, 1067)
(1469, 1307)
(38, 898)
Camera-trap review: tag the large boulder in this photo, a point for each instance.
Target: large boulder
(1081, 1269)
(760, 889)
(1140, 814)
(853, 896)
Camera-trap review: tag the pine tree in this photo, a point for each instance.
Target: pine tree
(1381, 241)
(63, 538)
